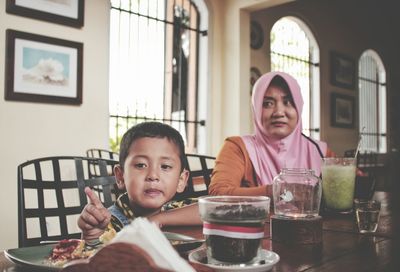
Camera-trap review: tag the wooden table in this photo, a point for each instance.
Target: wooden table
(342, 249)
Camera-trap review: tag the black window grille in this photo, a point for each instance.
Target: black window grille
(372, 103)
(154, 65)
(295, 52)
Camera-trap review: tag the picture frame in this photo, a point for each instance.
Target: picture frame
(70, 13)
(342, 110)
(42, 69)
(343, 71)
(256, 35)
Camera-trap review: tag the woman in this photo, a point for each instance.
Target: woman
(247, 165)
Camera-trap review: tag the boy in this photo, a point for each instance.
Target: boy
(151, 170)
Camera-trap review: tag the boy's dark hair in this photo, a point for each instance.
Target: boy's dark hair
(152, 130)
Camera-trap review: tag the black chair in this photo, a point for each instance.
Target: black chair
(200, 168)
(350, 153)
(94, 170)
(365, 187)
(102, 154)
(51, 196)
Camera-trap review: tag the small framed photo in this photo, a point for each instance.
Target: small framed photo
(343, 71)
(43, 69)
(256, 35)
(65, 12)
(342, 110)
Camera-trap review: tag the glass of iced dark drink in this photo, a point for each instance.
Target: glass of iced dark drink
(233, 227)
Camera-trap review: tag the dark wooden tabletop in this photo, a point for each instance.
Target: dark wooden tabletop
(342, 247)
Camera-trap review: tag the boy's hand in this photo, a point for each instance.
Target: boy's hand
(94, 218)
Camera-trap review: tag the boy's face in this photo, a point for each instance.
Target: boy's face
(152, 174)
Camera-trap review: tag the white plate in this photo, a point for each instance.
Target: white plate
(265, 261)
(183, 248)
(177, 236)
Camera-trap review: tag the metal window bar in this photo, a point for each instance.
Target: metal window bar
(285, 61)
(136, 12)
(201, 32)
(123, 122)
(369, 106)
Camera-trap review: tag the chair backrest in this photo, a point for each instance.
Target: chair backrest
(102, 154)
(367, 159)
(200, 168)
(51, 196)
(350, 153)
(365, 187)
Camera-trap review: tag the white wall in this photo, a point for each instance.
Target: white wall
(33, 130)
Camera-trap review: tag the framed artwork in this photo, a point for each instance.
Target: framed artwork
(256, 35)
(342, 110)
(66, 12)
(43, 69)
(343, 71)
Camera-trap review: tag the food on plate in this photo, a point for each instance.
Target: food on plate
(107, 236)
(69, 249)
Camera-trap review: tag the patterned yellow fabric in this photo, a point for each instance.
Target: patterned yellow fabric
(122, 204)
(179, 204)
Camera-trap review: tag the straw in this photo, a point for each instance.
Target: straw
(359, 143)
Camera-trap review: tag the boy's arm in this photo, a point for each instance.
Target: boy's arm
(186, 216)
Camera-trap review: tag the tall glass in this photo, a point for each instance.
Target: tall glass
(338, 182)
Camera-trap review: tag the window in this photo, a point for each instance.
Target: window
(372, 103)
(295, 51)
(154, 66)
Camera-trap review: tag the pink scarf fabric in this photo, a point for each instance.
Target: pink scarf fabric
(269, 156)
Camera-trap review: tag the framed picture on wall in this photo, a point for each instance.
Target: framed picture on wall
(43, 69)
(343, 71)
(342, 110)
(256, 35)
(69, 12)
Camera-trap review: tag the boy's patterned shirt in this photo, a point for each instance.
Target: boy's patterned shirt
(122, 203)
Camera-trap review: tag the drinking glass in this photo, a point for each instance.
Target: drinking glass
(338, 182)
(233, 227)
(367, 215)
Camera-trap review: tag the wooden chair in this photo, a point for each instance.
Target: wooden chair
(200, 168)
(51, 196)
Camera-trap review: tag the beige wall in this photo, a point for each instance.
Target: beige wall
(32, 130)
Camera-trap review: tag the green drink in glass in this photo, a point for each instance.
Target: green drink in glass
(338, 182)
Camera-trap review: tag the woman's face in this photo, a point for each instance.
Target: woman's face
(279, 115)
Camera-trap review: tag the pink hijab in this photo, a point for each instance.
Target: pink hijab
(269, 156)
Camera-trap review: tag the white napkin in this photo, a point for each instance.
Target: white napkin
(149, 237)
